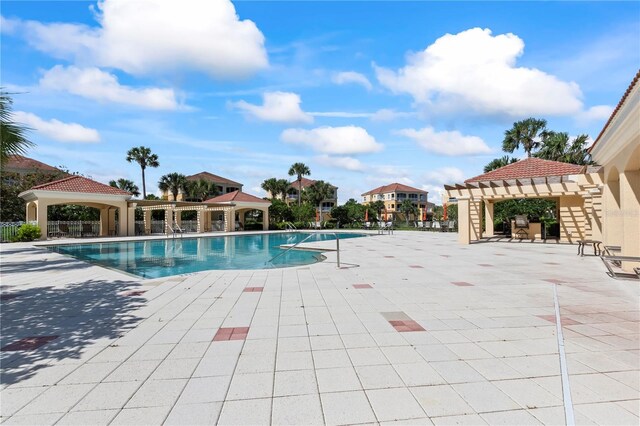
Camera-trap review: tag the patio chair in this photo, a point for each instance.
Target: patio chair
(367, 225)
(63, 230)
(436, 226)
(427, 226)
(614, 264)
(420, 225)
(451, 226)
(521, 226)
(87, 230)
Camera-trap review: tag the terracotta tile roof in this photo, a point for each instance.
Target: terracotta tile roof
(305, 183)
(80, 184)
(213, 178)
(236, 196)
(26, 164)
(529, 168)
(626, 94)
(394, 187)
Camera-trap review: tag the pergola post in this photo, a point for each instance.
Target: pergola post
(122, 221)
(200, 220)
(168, 220)
(475, 219)
(488, 218)
(229, 219)
(265, 219)
(178, 214)
(464, 221)
(147, 221)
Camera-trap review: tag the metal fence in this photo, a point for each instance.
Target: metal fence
(76, 229)
(8, 230)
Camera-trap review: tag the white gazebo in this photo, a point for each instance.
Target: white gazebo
(241, 203)
(79, 190)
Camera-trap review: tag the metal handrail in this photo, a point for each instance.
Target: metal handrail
(305, 239)
(173, 230)
(290, 226)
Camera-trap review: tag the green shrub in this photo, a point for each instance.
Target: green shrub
(27, 232)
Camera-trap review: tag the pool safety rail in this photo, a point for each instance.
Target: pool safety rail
(270, 261)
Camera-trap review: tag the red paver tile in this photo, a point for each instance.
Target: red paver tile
(415, 266)
(362, 286)
(462, 284)
(406, 325)
(231, 333)
(564, 321)
(253, 289)
(28, 343)
(555, 281)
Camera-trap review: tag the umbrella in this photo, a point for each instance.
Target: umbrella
(424, 213)
(317, 215)
(444, 214)
(366, 215)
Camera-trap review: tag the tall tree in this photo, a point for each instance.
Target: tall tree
(559, 147)
(377, 206)
(126, 185)
(13, 140)
(271, 186)
(145, 158)
(526, 134)
(173, 183)
(299, 170)
(496, 163)
(318, 192)
(407, 207)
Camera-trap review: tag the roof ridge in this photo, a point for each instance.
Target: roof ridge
(57, 181)
(544, 165)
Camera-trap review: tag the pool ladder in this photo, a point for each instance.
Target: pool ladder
(305, 239)
(290, 227)
(175, 229)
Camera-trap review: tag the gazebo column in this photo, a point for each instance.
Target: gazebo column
(122, 221)
(475, 220)
(629, 190)
(464, 221)
(104, 221)
(147, 221)
(488, 218)
(229, 220)
(265, 219)
(179, 217)
(111, 221)
(131, 219)
(41, 217)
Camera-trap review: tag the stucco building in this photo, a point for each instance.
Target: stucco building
(224, 185)
(394, 194)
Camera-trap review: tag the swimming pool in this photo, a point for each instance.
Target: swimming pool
(166, 257)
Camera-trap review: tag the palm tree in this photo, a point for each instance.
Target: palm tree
(524, 134)
(318, 192)
(407, 207)
(271, 186)
(12, 135)
(126, 185)
(559, 147)
(174, 183)
(299, 170)
(378, 206)
(496, 163)
(201, 190)
(143, 156)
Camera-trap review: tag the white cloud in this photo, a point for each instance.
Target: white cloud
(444, 175)
(390, 115)
(57, 130)
(347, 163)
(595, 113)
(8, 26)
(281, 107)
(151, 36)
(341, 114)
(446, 142)
(477, 72)
(98, 85)
(347, 77)
(344, 140)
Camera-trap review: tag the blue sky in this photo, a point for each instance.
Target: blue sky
(365, 93)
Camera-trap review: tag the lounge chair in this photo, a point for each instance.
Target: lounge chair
(367, 225)
(420, 225)
(612, 262)
(451, 226)
(436, 226)
(521, 226)
(427, 226)
(87, 230)
(63, 230)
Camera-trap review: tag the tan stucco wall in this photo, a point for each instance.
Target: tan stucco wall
(571, 216)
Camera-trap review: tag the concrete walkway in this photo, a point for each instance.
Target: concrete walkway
(413, 329)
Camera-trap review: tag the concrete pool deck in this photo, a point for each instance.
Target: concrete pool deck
(414, 329)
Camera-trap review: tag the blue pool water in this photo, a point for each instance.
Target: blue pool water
(161, 258)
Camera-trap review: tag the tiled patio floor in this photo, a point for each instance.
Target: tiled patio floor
(321, 345)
